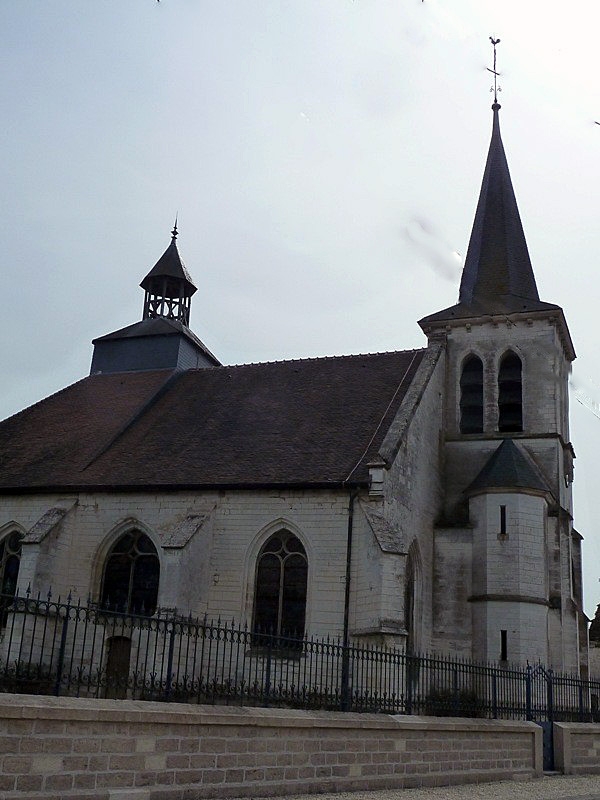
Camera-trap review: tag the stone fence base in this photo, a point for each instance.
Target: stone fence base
(577, 748)
(68, 749)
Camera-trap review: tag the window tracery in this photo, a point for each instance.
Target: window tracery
(280, 590)
(131, 575)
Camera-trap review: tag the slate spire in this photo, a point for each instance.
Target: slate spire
(168, 286)
(497, 275)
(497, 267)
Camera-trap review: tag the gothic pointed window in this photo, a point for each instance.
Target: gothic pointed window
(510, 394)
(471, 396)
(10, 559)
(131, 575)
(280, 594)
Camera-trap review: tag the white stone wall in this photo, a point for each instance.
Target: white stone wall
(213, 573)
(452, 581)
(510, 584)
(413, 490)
(545, 371)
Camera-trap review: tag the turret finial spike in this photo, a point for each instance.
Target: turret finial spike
(494, 72)
(174, 231)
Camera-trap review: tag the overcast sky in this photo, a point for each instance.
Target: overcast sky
(324, 158)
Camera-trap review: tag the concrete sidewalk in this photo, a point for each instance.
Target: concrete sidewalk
(549, 787)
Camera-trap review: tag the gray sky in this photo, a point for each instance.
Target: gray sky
(325, 158)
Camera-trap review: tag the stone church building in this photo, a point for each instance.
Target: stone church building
(419, 498)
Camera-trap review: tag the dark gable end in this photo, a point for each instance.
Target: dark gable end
(313, 422)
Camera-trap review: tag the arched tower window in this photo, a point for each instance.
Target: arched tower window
(510, 394)
(10, 559)
(131, 574)
(471, 396)
(280, 594)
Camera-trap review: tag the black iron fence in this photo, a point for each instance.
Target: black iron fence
(64, 648)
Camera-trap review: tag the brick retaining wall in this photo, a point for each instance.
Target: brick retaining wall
(577, 748)
(68, 748)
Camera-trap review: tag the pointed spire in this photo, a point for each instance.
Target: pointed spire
(497, 266)
(168, 286)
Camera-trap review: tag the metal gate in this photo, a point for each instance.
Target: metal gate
(539, 700)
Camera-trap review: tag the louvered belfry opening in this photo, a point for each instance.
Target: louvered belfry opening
(165, 297)
(168, 286)
(510, 394)
(471, 396)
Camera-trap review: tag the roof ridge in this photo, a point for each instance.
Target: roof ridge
(316, 358)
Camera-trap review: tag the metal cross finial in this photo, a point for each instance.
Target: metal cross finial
(493, 71)
(174, 231)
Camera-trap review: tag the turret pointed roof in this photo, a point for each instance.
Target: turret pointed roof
(170, 265)
(497, 275)
(510, 469)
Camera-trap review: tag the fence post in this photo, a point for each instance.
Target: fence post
(455, 697)
(550, 695)
(494, 694)
(580, 698)
(528, 714)
(408, 683)
(170, 660)
(345, 693)
(267, 684)
(63, 644)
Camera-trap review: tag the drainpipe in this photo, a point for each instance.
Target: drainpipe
(346, 637)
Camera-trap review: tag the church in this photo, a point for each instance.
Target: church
(418, 499)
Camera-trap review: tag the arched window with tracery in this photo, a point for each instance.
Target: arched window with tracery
(510, 394)
(131, 575)
(10, 559)
(471, 396)
(280, 592)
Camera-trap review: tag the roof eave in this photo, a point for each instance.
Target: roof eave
(432, 324)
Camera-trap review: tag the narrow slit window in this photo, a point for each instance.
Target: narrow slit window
(510, 394)
(471, 396)
(503, 645)
(503, 520)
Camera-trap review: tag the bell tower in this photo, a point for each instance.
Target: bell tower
(162, 339)
(168, 286)
(507, 558)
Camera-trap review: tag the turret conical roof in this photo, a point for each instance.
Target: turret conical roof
(170, 266)
(510, 469)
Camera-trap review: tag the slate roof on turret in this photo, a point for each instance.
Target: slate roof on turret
(158, 326)
(313, 422)
(170, 265)
(509, 468)
(497, 275)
